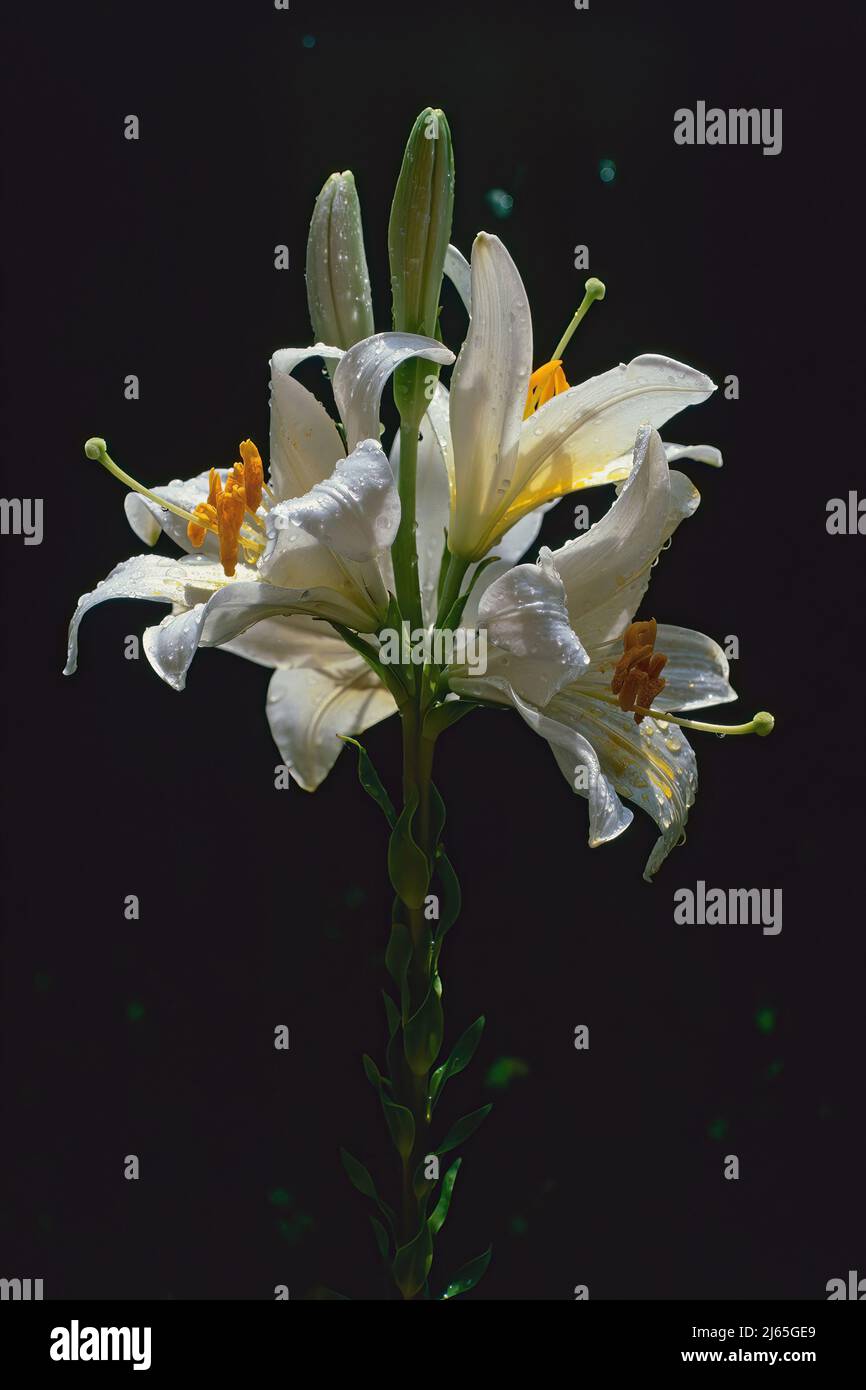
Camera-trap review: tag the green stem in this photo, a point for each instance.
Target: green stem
(404, 552)
(417, 771)
(457, 567)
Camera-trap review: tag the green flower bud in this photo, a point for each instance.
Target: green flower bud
(338, 283)
(418, 235)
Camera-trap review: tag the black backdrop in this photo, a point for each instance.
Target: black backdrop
(257, 907)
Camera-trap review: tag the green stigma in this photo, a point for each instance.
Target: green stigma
(593, 289)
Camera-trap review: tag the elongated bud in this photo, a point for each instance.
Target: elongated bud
(338, 283)
(418, 235)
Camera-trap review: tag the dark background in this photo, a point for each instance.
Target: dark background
(260, 907)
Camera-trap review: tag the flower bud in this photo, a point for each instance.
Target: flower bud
(418, 235)
(338, 283)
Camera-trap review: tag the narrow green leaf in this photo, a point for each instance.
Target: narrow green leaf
(422, 1033)
(407, 863)
(392, 1014)
(412, 1262)
(441, 717)
(440, 1211)
(437, 817)
(371, 781)
(449, 900)
(461, 1131)
(373, 1074)
(358, 1175)
(461, 1055)
(381, 1237)
(398, 953)
(360, 1178)
(468, 1276)
(401, 1123)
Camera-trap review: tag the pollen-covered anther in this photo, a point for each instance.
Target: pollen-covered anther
(254, 474)
(637, 677)
(197, 533)
(230, 508)
(545, 383)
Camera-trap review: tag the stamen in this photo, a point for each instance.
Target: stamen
(97, 449)
(545, 383)
(594, 290)
(196, 533)
(230, 508)
(761, 723)
(637, 678)
(254, 474)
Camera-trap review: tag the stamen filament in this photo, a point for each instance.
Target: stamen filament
(762, 723)
(594, 290)
(97, 449)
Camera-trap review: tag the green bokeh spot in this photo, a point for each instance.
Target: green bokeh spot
(766, 1020)
(354, 897)
(518, 1225)
(717, 1129)
(135, 1012)
(279, 1197)
(504, 1071)
(606, 170)
(774, 1069)
(295, 1227)
(309, 41)
(500, 203)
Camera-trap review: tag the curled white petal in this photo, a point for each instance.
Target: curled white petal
(606, 570)
(157, 577)
(575, 755)
(651, 764)
(525, 615)
(355, 512)
(363, 373)
(231, 611)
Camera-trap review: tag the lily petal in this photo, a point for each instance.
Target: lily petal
(696, 673)
(363, 373)
(578, 439)
(459, 272)
(160, 578)
(305, 443)
(572, 750)
(606, 571)
(148, 519)
(355, 512)
(651, 764)
(308, 709)
(525, 615)
(488, 394)
(294, 642)
(171, 646)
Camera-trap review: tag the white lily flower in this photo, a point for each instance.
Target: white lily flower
(521, 439)
(310, 544)
(603, 746)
